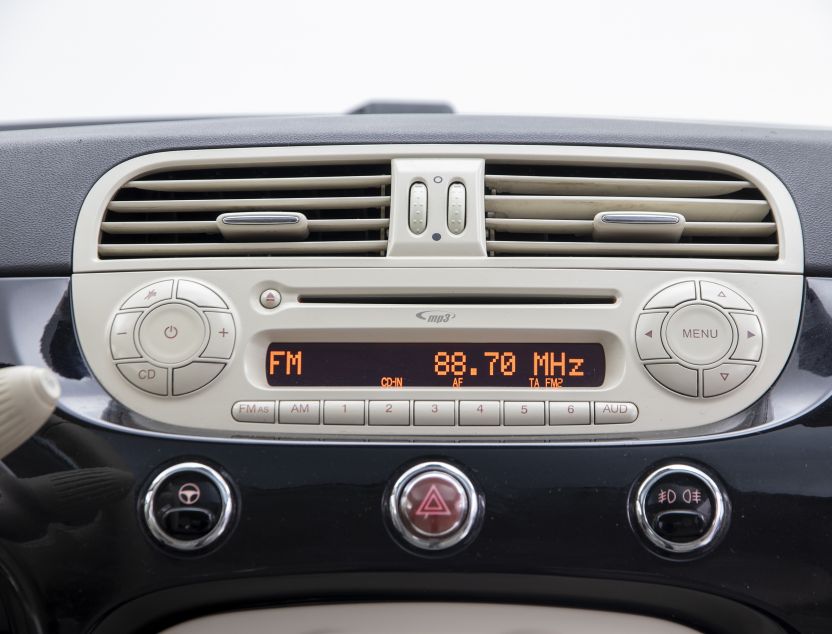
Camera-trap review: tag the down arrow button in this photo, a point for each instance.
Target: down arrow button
(724, 378)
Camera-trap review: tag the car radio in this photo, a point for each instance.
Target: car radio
(436, 292)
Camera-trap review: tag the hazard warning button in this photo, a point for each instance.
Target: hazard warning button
(434, 506)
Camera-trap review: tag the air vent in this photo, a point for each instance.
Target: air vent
(538, 209)
(285, 210)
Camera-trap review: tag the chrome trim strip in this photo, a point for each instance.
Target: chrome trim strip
(261, 219)
(627, 218)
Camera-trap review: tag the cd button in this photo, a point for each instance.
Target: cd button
(479, 413)
(253, 411)
(649, 336)
(675, 377)
(615, 413)
(389, 412)
(146, 376)
(699, 334)
(750, 337)
(150, 295)
(434, 413)
(221, 337)
(524, 413)
(172, 333)
(725, 378)
(299, 413)
(723, 296)
(569, 413)
(122, 345)
(199, 295)
(343, 412)
(672, 296)
(194, 376)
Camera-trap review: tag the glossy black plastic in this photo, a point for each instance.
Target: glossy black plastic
(555, 530)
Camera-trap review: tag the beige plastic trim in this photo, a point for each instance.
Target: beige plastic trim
(420, 618)
(262, 184)
(580, 186)
(584, 207)
(789, 248)
(682, 250)
(777, 300)
(249, 204)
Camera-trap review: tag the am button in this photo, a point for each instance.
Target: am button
(699, 334)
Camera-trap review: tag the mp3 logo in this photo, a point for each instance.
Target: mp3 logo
(435, 316)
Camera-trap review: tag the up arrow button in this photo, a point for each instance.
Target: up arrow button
(749, 346)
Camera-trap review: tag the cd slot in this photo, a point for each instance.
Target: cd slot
(456, 300)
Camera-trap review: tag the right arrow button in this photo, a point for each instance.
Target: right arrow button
(725, 378)
(750, 337)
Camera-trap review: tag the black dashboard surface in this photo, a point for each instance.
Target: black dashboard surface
(310, 526)
(46, 173)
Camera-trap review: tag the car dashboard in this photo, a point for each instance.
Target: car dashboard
(439, 372)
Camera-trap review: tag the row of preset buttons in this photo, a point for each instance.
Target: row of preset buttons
(435, 413)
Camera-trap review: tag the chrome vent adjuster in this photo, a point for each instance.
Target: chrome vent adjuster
(558, 209)
(297, 210)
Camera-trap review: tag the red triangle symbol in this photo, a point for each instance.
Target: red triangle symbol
(649, 333)
(721, 294)
(433, 504)
(270, 297)
(724, 375)
(751, 334)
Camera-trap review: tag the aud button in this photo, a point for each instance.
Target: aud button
(609, 413)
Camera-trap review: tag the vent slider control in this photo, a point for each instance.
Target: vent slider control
(613, 226)
(256, 226)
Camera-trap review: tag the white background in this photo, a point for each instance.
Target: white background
(732, 60)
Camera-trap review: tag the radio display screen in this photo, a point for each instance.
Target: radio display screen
(397, 365)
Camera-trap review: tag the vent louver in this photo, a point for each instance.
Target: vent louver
(538, 209)
(282, 210)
